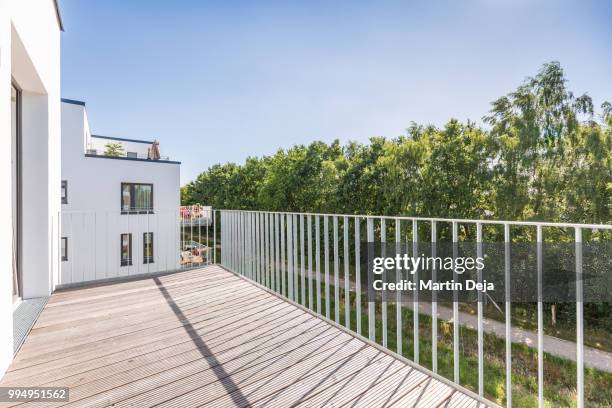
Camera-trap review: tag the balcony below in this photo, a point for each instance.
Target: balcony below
(207, 337)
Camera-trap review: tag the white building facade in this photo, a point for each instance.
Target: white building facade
(30, 146)
(120, 214)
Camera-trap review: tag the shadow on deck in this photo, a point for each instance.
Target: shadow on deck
(207, 337)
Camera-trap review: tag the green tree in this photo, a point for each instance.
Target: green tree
(113, 149)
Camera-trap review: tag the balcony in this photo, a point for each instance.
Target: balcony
(271, 309)
(209, 337)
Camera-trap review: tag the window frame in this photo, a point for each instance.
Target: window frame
(64, 189)
(125, 262)
(131, 155)
(64, 249)
(150, 259)
(133, 209)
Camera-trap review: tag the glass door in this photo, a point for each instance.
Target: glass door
(16, 188)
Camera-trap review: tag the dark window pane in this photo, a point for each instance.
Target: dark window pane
(147, 247)
(126, 249)
(64, 249)
(125, 197)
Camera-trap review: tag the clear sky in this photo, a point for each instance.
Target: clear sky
(220, 81)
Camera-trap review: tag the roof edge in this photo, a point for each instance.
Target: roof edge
(58, 15)
(73, 101)
(132, 159)
(122, 139)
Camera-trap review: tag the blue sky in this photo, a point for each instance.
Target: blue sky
(220, 81)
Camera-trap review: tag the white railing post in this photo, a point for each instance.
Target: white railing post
(398, 300)
(290, 257)
(371, 302)
(415, 304)
(434, 303)
(455, 234)
(318, 260)
(579, 321)
(358, 274)
(310, 285)
(296, 280)
(336, 273)
(540, 320)
(480, 315)
(283, 265)
(508, 311)
(302, 263)
(383, 243)
(347, 275)
(326, 259)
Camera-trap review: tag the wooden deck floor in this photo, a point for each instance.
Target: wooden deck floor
(209, 338)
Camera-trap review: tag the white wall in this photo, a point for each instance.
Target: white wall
(29, 53)
(92, 219)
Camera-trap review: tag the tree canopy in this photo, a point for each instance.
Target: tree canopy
(541, 153)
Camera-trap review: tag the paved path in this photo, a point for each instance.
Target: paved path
(594, 358)
(558, 347)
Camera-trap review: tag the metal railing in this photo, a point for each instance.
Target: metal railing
(295, 255)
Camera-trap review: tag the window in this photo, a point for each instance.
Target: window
(64, 249)
(126, 249)
(136, 198)
(64, 191)
(133, 155)
(147, 247)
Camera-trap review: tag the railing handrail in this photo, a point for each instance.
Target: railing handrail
(438, 219)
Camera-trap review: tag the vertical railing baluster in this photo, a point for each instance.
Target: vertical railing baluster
(480, 314)
(262, 249)
(383, 242)
(455, 234)
(318, 261)
(295, 260)
(434, 301)
(302, 262)
(290, 256)
(310, 285)
(358, 275)
(268, 252)
(508, 310)
(277, 268)
(237, 268)
(283, 266)
(398, 294)
(250, 233)
(271, 252)
(371, 302)
(326, 259)
(347, 275)
(540, 320)
(336, 273)
(579, 321)
(260, 243)
(214, 217)
(255, 247)
(415, 304)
